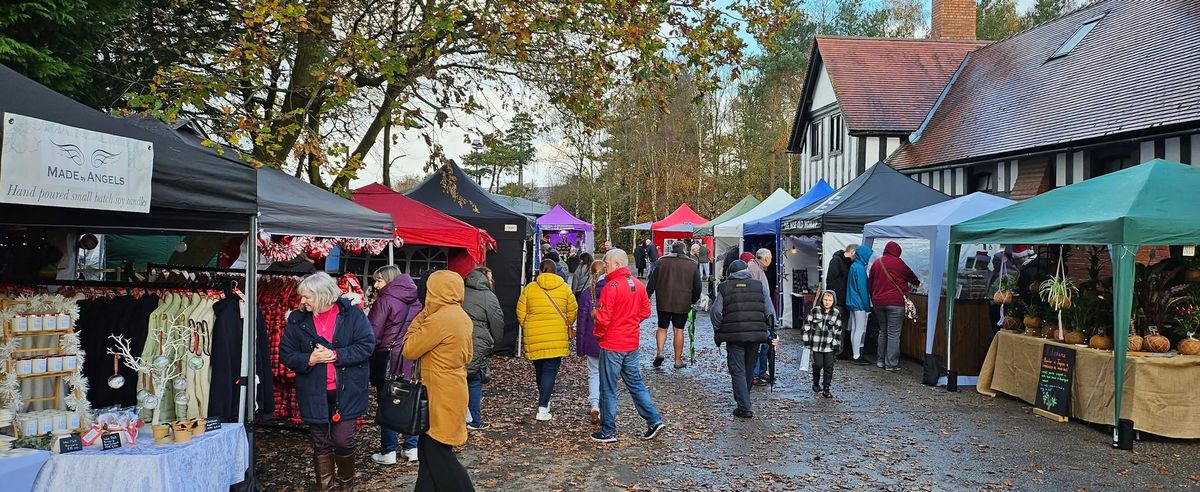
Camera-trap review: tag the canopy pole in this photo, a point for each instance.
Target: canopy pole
(250, 324)
(391, 254)
(951, 289)
(1123, 276)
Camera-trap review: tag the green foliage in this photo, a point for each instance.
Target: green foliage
(997, 19)
(52, 41)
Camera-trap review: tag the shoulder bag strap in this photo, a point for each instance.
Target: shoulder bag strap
(903, 292)
(416, 374)
(556, 308)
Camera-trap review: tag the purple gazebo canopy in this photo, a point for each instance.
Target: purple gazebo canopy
(559, 219)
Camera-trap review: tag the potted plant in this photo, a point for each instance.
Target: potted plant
(1004, 289)
(1080, 319)
(1155, 294)
(1189, 322)
(1033, 319)
(1057, 291)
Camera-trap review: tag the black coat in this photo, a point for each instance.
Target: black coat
(639, 257)
(838, 275)
(354, 342)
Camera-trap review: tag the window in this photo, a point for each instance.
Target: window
(835, 133)
(814, 139)
(1076, 38)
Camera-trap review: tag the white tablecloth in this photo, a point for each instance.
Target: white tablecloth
(210, 462)
(19, 470)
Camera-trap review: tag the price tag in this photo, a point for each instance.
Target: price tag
(70, 444)
(110, 441)
(1189, 251)
(212, 424)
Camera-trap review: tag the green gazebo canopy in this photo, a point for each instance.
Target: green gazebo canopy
(1151, 204)
(740, 208)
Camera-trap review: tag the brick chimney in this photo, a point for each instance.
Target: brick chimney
(953, 19)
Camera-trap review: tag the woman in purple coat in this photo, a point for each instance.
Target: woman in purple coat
(394, 309)
(585, 339)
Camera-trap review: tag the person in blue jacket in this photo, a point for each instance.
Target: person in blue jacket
(858, 301)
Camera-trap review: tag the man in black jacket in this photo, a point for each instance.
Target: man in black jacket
(836, 278)
(742, 315)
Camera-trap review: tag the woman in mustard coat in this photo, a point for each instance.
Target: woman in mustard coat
(440, 340)
(546, 311)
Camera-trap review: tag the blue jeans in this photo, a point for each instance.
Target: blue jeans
(546, 371)
(624, 364)
(389, 439)
(760, 369)
(475, 398)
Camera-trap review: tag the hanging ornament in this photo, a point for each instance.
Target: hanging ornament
(150, 403)
(142, 394)
(87, 242)
(116, 381)
(196, 362)
(181, 247)
(161, 361)
(181, 398)
(179, 384)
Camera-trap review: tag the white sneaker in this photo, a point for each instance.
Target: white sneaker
(384, 459)
(543, 414)
(411, 454)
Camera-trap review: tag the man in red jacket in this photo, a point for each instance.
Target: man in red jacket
(620, 309)
(888, 283)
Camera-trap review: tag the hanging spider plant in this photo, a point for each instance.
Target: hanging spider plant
(1057, 291)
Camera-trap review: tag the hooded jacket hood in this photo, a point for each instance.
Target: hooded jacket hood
(402, 288)
(443, 288)
(549, 281)
(821, 301)
(892, 249)
(863, 255)
(476, 280)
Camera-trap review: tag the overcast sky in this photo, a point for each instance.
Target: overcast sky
(415, 154)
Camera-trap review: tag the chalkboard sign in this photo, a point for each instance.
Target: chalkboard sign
(212, 424)
(110, 441)
(1054, 381)
(70, 444)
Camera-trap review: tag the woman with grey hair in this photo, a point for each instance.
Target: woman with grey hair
(328, 342)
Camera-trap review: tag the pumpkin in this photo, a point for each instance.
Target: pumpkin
(1032, 322)
(1003, 297)
(1189, 345)
(1135, 343)
(1101, 341)
(1011, 323)
(1075, 337)
(1157, 343)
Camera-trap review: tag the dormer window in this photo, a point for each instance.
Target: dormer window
(1076, 38)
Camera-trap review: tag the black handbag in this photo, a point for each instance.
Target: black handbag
(404, 405)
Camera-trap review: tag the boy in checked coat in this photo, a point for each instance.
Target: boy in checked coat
(823, 334)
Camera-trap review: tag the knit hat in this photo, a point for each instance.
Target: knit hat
(737, 266)
(747, 257)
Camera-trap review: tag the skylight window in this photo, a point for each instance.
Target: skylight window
(1076, 38)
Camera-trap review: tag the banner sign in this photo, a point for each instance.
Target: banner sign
(52, 165)
(1054, 380)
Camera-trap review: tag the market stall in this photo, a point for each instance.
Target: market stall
(838, 220)
(680, 225)
(450, 191)
(729, 233)
(1125, 210)
(797, 263)
(561, 229)
(103, 174)
(933, 223)
(422, 225)
(744, 205)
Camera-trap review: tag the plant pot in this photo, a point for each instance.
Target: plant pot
(1004, 297)
(182, 432)
(1032, 323)
(1100, 341)
(1050, 332)
(1011, 323)
(197, 427)
(1075, 337)
(1157, 343)
(1189, 346)
(1135, 343)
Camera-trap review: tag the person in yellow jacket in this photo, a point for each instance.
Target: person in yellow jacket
(546, 311)
(439, 339)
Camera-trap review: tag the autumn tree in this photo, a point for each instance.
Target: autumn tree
(997, 19)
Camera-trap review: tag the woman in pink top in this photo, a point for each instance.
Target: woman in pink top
(328, 342)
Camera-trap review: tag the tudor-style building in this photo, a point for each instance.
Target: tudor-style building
(863, 97)
(1101, 89)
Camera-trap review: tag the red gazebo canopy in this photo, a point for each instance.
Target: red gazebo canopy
(682, 215)
(420, 224)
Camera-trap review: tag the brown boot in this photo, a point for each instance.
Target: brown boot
(323, 464)
(345, 472)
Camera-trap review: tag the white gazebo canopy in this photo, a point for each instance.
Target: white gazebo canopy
(730, 232)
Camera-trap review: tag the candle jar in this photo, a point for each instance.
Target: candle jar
(20, 324)
(73, 421)
(28, 424)
(24, 366)
(45, 422)
(60, 421)
(54, 363)
(35, 323)
(70, 362)
(39, 365)
(50, 322)
(64, 322)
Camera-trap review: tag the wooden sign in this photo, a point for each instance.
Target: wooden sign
(70, 444)
(110, 441)
(212, 424)
(1053, 398)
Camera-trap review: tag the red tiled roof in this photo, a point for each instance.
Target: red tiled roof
(883, 85)
(1138, 69)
